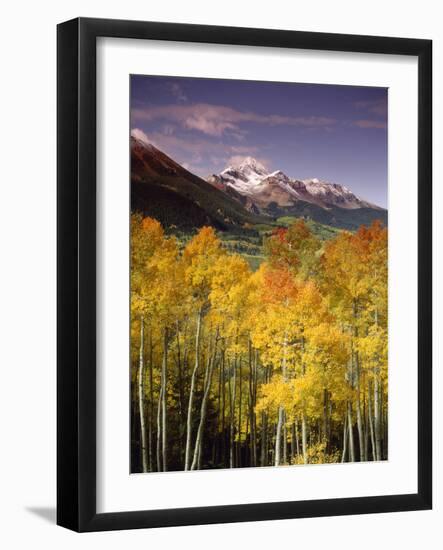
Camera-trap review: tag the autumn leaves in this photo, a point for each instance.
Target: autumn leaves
(234, 368)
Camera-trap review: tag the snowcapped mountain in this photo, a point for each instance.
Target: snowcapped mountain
(251, 179)
(243, 195)
(243, 178)
(163, 189)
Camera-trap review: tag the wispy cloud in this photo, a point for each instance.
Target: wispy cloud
(173, 143)
(365, 123)
(377, 107)
(198, 154)
(217, 120)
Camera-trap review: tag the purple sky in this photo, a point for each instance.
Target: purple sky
(334, 133)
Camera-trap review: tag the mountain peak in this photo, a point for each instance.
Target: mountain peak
(141, 138)
(228, 169)
(279, 174)
(251, 162)
(242, 176)
(238, 194)
(250, 178)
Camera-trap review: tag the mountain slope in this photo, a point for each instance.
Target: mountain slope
(335, 216)
(162, 188)
(240, 196)
(276, 194)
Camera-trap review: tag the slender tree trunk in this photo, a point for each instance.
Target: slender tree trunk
(371, 425)
(366, 427)
(303, 418)
(164, 403)
(293, 443)
(278, 436)
(191, 392)
(253, 443)
(351, 434)
(355, 383)
(141, 397)
(232, 420)
(216, 445)
(304, 436)
(185, 372)
(181, 398)
(377, 420)
(281, 411)
(223, 441)
(239, 413)
(325, 419)
(345, 438)
(285, 440)
(247, 449)
(361, 435)
(264, 440)
(135, 416)
(151, 402)
(361, 439)
(377, 406)
(297, 444)
(385, 431)
(207, 388)
(159, 432)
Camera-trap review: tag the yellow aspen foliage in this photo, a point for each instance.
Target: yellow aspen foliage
(287, 364)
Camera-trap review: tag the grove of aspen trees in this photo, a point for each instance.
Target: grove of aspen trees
(233, 368)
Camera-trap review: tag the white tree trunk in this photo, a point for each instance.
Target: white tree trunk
(232, 393)
(285, 440)
(191, 393)
(164, 416)
(345, 438)
(377, 419)
(199, 437)
(141, 398)
(304, 438)
(361, 437)
(278, 436)
(371, 426)
(281, 412)
(159, 432)
(264, 440)
(351, 434)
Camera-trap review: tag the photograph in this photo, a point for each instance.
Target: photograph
(258, 274)
(225, 241)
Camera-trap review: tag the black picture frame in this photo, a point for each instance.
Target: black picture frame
(76, 266)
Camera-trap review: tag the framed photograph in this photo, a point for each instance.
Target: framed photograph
(244, 274)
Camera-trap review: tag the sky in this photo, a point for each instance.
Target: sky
(333, 133)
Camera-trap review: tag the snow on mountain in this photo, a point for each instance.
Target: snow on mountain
(335, 194)
(162, 188)
(244, 177)
(253, 169)
(243, 194)
(250, 178)
(142, 139)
